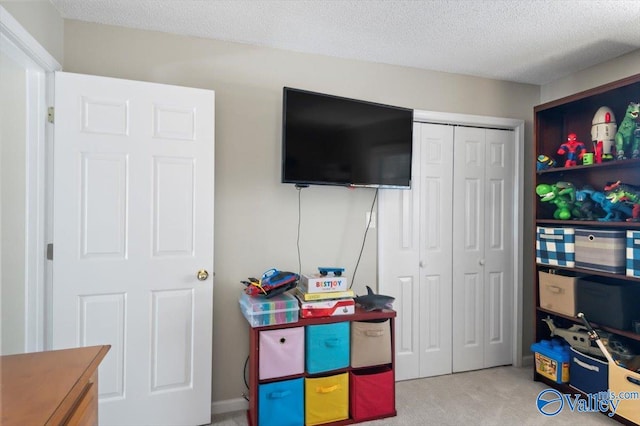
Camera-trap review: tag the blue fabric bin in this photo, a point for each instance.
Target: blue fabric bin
(327, 347)
(281, 403)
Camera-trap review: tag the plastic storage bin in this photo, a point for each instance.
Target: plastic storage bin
(552, 359)
(372, 393)
(327, 347)
(588, 374)
(609, 302)
(281, 352)
(370, 343)
(555, 246)
(259, 311)
(281, 403)
(326, 399)
(557, 292)
(601, 250)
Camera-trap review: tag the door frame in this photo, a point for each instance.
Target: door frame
(517, 126)
(40, 66)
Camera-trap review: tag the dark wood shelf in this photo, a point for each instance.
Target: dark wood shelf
(625, 333)
(553, 121)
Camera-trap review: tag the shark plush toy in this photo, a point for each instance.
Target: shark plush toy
(374, 302)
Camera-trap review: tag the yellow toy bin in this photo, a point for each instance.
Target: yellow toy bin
(326, 399)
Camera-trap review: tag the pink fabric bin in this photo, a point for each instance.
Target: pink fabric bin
(281, 352)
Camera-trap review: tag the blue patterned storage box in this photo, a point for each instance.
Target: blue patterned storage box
(281, 403)
(555, 246)
(633, 253)
(327, 347)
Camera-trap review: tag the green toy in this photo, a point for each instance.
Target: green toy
(562, 194)
(628, 135)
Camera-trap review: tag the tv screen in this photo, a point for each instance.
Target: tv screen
(330, 140)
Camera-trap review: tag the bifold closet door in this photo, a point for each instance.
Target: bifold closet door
(415, 262)
(483, 208)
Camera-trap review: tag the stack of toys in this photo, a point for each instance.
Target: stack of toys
(325, 294)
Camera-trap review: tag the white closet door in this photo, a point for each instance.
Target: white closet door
(482, 248)
(415, 256)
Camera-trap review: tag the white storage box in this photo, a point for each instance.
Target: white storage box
(259, 311)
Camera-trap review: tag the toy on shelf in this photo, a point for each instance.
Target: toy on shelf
(603, 131)
(572, 149)
(273, 282)
(374, 302)
(325, 271)
(618, 192)
(614, 211)
(562, 195)
(544, 162)
(628, 136)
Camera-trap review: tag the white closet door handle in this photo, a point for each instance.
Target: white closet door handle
(421, 264)
(481, 262)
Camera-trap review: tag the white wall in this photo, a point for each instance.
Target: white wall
(12, 205)
(595, 76)
(41, 19)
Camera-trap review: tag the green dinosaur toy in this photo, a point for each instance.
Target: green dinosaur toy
(562, 195)
(628, 135)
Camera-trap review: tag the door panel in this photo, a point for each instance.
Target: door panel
(133, 223)
(417, 247)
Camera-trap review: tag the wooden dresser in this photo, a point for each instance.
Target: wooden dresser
(51, 388)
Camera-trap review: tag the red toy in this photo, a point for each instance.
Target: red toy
(572, 149)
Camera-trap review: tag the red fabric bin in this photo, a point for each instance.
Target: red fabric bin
(372, 393)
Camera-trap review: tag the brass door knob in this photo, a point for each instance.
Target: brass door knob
(202, 274)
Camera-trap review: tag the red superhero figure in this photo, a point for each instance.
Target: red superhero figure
(572, 149)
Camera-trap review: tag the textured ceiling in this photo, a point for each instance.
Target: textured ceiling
(531, 41)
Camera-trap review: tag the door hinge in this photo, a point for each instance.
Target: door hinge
(50, 251)
(50, 114)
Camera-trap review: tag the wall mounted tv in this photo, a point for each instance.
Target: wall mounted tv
(331, 140)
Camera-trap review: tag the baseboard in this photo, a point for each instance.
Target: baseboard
(527, 361)
(229, 405)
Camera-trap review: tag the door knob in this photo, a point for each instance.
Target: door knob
(481, 262)
(202, 274)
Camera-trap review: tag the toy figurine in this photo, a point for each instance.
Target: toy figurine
(544, 162)
(628, 135)
(603, 131)
(615, 211)
(562, 195)
(572, 149)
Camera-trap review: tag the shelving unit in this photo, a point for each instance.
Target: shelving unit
(388, 316)
(553, 121)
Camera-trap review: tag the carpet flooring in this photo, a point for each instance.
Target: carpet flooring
(495, 396)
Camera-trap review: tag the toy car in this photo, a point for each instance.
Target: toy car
(325, 271)
(273, 282)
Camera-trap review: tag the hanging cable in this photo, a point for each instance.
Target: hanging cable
(364, 239)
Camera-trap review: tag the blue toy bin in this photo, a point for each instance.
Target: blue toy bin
(552, 358)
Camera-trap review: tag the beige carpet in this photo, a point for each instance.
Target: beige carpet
(496, 396)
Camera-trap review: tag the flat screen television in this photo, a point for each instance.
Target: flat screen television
(331, 140)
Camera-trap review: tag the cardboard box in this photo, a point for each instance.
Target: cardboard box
(327, 308)
(316, 283)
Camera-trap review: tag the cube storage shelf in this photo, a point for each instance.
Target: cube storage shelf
(553, 121)
(359, 386)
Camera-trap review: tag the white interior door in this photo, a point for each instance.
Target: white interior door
(415, 256)
(133, 223)
(482, 246)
